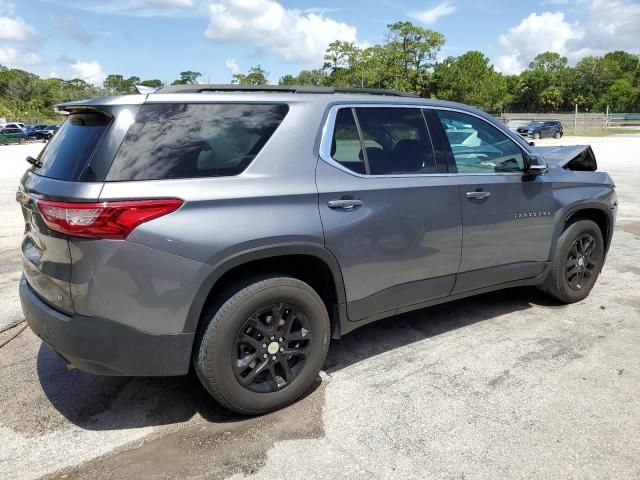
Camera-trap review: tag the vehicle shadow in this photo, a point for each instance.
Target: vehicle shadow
(95, 402)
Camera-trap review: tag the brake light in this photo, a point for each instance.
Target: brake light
(103, 219)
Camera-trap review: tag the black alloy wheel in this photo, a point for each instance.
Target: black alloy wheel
(581, 261)
(272, 348)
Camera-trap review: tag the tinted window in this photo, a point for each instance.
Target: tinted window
(194, 140)
(396, 140)
(66, 155)
(346, 148)
(479, 147)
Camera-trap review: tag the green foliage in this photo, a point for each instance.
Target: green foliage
(256, 76)
(187, 78)
(406, 60)
(470, 78)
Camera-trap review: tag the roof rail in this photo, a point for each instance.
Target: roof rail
(198, 88)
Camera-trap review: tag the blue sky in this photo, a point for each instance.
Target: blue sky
(160, 38)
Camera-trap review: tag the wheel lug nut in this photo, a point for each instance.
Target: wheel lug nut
(274, 358)
(273, 338)
(264, 345)
(281, 339)
(282, 349)
(264, 355)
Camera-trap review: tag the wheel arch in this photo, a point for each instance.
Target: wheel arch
(311, 263)
(598, 215)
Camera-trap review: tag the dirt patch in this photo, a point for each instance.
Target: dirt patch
(211, 449)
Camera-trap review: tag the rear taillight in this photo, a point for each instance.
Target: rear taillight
(103, 219)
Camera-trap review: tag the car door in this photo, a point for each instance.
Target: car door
(390, 220)
(507, 216)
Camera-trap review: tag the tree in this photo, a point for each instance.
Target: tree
(118, 85)
(315, 77)
(410, 53)
(256, 76)
(470, 78)
(549, 62)
(551, 98)
(155, 83)
(621, 96)
(188, 77)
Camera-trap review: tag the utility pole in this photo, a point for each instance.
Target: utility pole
(575, 121)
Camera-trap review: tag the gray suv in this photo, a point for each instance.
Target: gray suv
(238, 230)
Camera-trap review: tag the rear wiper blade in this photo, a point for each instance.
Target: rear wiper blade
(34, 161)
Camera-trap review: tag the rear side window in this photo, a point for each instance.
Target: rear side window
(389, 141)
(346, 148)
(194, 140)
(68, 152)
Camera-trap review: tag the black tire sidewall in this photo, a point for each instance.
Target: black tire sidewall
(568, 237)
(214, 359)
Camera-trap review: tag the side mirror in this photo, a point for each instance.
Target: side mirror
(535, 165)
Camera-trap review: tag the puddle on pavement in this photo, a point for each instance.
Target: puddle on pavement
(211, 449)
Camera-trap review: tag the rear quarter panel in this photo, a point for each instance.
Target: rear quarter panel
(164, 262)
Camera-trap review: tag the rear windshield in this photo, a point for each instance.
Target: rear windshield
(68, 152)
(194, 140)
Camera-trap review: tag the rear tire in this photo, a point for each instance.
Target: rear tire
(577, 262)
(263, 344)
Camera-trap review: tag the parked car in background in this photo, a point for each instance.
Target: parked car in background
(12, 125)
(240, 228)
(513, 125)
(46, 133)
(540, 129)
(12, 135)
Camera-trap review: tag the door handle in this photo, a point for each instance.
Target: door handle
(345, 204)
(477, 195)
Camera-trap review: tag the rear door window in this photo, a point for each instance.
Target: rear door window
(70, 149)
(396, 141)
(194, 140)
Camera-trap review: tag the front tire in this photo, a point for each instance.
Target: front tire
(577, 262)
(557, 135)
(536, 136)
(264, 344)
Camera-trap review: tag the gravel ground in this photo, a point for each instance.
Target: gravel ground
(504, 385)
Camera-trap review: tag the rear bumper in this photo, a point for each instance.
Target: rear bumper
(105, 347)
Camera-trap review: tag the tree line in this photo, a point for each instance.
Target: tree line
(407, 60)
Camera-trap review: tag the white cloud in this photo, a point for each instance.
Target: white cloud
(607, 25)
(12, 57)
(293, 35)
(509, 65)
(15, 29)
(167, 3)
(539, 33)
(136, 8)
(71, 28)
(89, 71)
(612, 25)
(8, 55)
(432, 15)
(232, 66)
